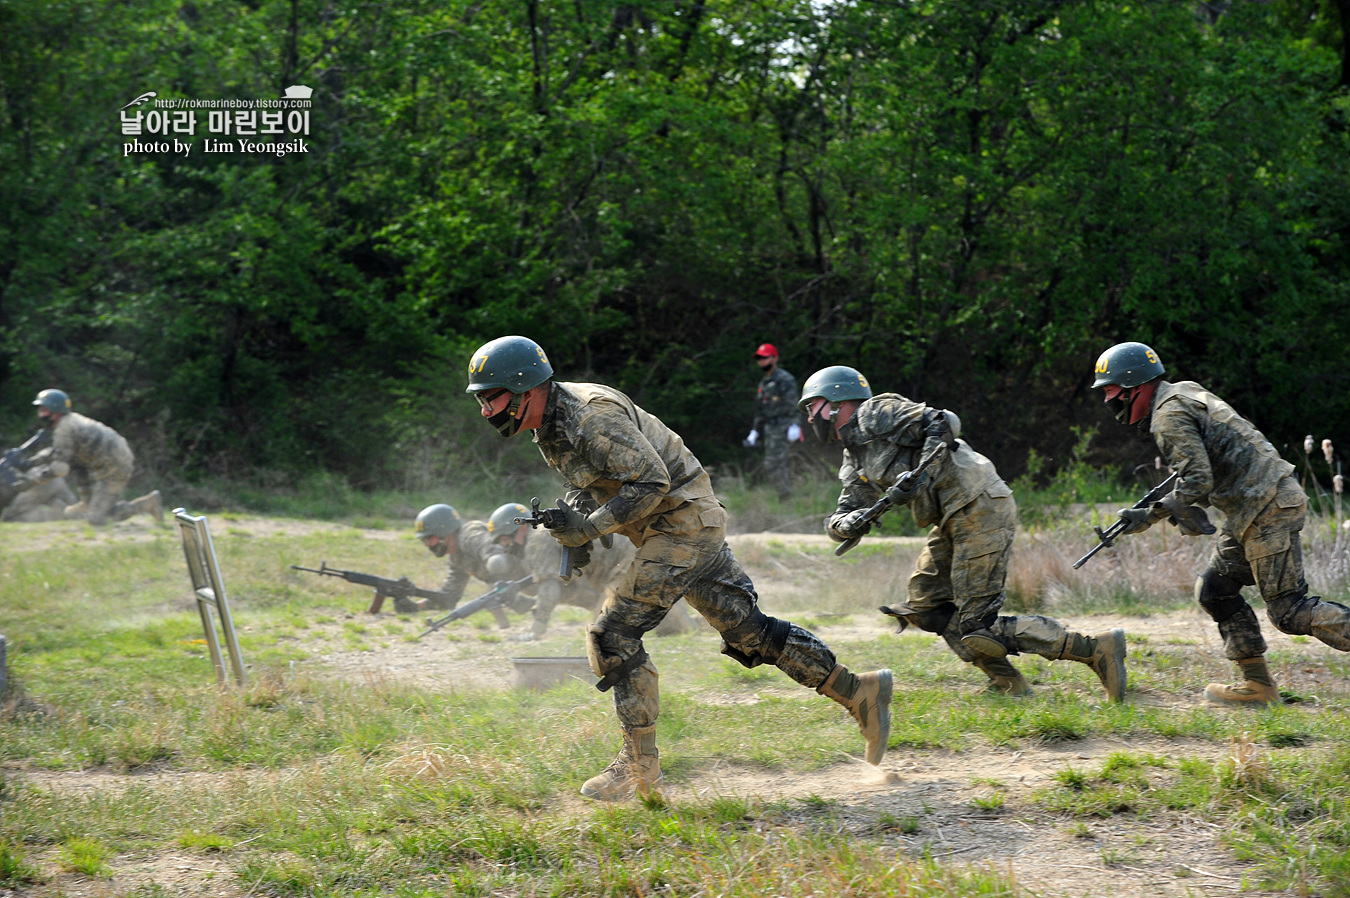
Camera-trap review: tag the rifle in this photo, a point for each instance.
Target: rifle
(883, 505)
(492, 600)
(402, 588)
(15, 461)
(1108, 536)
(551, 519)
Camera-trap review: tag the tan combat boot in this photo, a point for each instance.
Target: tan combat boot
(868, 698)
(150, 504)
(1004, 679)
(1257, 688)
(637, 769)
(78, 510)
(1105, 654)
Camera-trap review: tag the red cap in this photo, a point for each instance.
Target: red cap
(765, 350)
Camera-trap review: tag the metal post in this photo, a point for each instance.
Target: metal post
(209, 588)
(4, 668)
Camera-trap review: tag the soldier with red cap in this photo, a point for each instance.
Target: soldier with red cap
(775, 418)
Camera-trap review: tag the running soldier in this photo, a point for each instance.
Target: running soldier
(95, 457)
(956, 590)
(775, 418)
(1225, 462)
(472, 551)
(646, 485)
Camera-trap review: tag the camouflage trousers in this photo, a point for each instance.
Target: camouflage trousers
(776, 447)
(957, 584)
(1270, 556)
(699, 566)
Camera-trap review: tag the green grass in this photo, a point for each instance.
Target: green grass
(302, 784)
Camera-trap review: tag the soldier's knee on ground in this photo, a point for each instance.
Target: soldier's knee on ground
(758, 639)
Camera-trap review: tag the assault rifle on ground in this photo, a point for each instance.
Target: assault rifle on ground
(883, 505)
(502, 594)
(15, 461)
(1197, 519)
(402, 588)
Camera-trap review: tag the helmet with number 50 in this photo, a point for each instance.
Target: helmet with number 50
(1126, 372)
(829, 398)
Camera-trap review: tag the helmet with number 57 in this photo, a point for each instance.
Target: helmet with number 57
(504, 376)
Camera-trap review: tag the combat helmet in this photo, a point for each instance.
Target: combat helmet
(503, 520)
(436, 520)
(1128, 365)
(835, 384)
(509, 363)
(54, 401)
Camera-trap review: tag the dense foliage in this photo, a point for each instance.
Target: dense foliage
(968, 201)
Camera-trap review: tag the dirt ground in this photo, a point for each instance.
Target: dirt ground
(1045, 854)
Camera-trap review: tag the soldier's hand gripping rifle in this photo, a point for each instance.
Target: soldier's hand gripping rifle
(502, 594)
(15, 462)
(906, 482)
(556, 519)
(1191, 520)
(402, 588)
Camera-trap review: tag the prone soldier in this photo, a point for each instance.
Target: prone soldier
(646, 485)
(1225, 462)
(956, 590)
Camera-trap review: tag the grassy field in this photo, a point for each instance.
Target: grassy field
(342, 771)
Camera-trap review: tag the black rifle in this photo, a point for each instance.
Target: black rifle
(1108, 536)
(551, 519)
(504, 593)
(15, 461)
(883, 505)
(402, 588)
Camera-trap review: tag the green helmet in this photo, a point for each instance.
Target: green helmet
(437, 520)
(503, 520)
(510, 363)
(54, 401)
(1128, 365)
(837, 384)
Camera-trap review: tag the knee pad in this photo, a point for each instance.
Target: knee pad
(759, 639)
(1219, 595)
(607, 661)
(1292, 612)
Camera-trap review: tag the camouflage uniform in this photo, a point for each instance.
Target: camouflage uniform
(957, 585)
(543, 558)
(654, 491)
(100, 462)
(477, 555)
(1225, 462)
(43, 502)
(775, 411)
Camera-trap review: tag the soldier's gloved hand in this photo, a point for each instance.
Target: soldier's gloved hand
(581, 556)
(577, 530)
(1139, 519)
(906, 488)
(1191, 520)
(849, 526)
(750, 439)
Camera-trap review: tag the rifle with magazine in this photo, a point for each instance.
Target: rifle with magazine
(1190, 519)
(15, 462)
(556, 519)
(885, 503)
(401, 590)
(503, 594)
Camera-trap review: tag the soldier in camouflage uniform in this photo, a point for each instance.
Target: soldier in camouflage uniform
(1225, 462)
(40, 503)
(646, 485)
(775, 415)
(472, 550)
(93, 455)
(956, 589)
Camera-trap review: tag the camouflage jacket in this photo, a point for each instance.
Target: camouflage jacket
(474, 551)
(885, 438)
(1223, 461)
(776, 401)
(92, 445)
(636, 468)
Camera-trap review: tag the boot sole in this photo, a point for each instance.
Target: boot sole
(884, 695)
